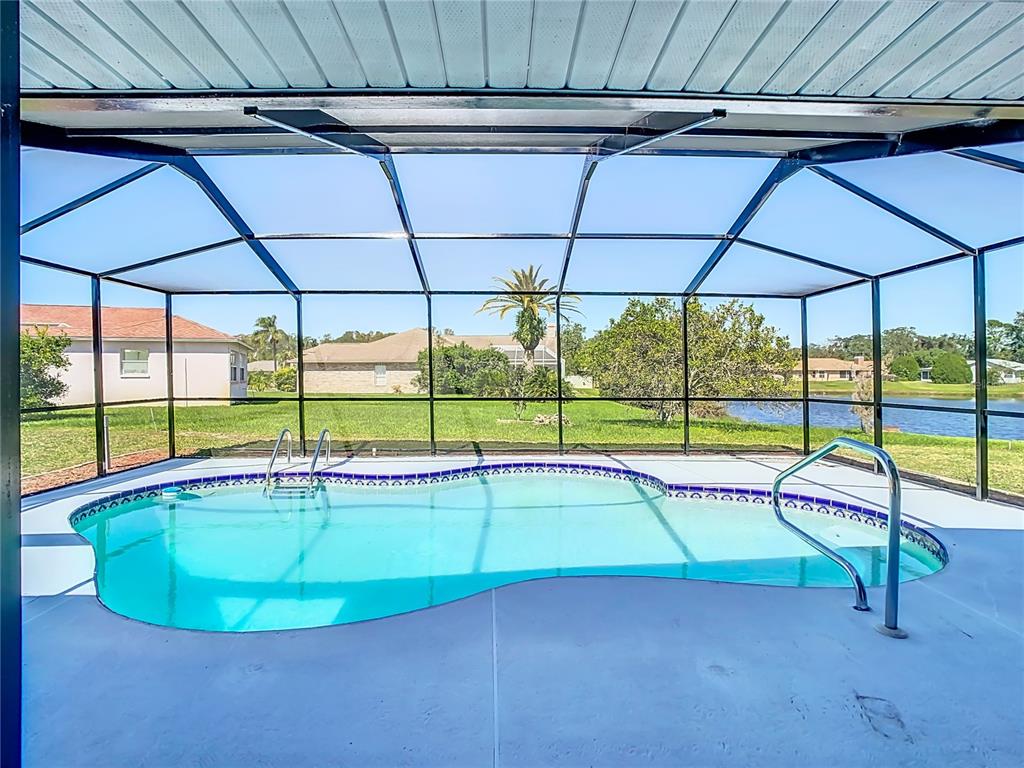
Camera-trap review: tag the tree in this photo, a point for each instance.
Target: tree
(1006, 340)
(905, 368)
(733, 352)
(42, 358)
(526, 293)
(901, 341)
(458, 368)
(951, 368)
(864, 392)
(268, 336)
(572, 343)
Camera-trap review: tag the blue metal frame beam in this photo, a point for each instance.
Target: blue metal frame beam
(191, 168)
(10, 390)
(589, 167)
(96, 194)
(894, 210)
(981, 484)
(715, 116)
(49, 137)
(975, 133)
(782, 171)
(800, 257)
(273, 119)
(171, 257)
(1006, 163)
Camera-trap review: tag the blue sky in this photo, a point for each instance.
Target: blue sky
(163, 213)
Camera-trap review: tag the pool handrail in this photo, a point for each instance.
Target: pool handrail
(892, 581)
(324, 433)
(277, 448)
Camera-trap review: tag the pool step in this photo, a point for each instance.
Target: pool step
(287, 490)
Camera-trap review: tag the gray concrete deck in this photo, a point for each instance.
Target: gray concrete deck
(591, 671)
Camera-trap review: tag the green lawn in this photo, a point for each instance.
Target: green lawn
(65, 439)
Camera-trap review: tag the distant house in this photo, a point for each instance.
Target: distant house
(834, 369)
(381, 366)
(207, 363)
(1010, 371)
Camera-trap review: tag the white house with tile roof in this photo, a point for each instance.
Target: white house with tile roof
(207, 363)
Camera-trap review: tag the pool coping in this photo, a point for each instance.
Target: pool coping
(857, 513)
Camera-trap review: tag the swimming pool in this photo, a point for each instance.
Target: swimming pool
(225, 556)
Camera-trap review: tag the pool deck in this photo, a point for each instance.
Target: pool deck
(588, 671)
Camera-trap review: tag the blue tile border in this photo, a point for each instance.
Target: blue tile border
(874, 518)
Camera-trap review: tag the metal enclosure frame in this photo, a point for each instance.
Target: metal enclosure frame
(956, 140)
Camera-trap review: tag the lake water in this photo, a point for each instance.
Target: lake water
(921, 422)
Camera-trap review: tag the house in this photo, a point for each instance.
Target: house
(1010, 371)
(834, 369)
(391, 363)
(207, 363)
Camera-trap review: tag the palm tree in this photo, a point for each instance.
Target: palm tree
(529, 295)
(267, 334)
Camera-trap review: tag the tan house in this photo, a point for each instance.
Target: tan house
(207, 362)
(834, 369)
(391, 363)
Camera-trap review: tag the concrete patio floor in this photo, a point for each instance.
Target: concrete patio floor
(586, 671)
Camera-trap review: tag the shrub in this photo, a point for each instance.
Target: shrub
(284, 379)
(905, 368)
(43, 357)
(259, 381)
(951, 368)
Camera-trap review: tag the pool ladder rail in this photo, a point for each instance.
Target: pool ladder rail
(892, 580)
(274, 484)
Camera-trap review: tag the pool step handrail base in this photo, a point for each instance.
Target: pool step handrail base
(890, 627)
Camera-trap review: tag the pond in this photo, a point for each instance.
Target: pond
(921, 422)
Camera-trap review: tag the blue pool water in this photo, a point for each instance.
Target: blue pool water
(232, 559)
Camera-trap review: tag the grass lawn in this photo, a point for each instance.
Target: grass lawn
(65, 439)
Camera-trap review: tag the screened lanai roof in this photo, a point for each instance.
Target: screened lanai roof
(733, 148)
(648, 224)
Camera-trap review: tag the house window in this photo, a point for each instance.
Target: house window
(134, 363)
(380, 375)
(238, 362)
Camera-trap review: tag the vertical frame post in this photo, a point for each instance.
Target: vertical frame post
(300, 372)
(804, 386)
(169, 352)
(558, 369)
(876, 360)
(10, 389)
(97, 375)
(686, 374)
(980, 379)
(430, 372)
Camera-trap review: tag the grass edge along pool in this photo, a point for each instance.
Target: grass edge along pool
(220, 555)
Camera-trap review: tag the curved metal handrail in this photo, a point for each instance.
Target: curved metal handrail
(277, 448)
(892, 581)
(325, 432)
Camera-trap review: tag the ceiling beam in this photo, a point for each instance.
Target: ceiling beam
(894, 210)
(782, 171)
(191, 168)
(589, 167)
(387, 165)
(49, 137)
(1006, 163)
(96, 194)
(962, 135)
